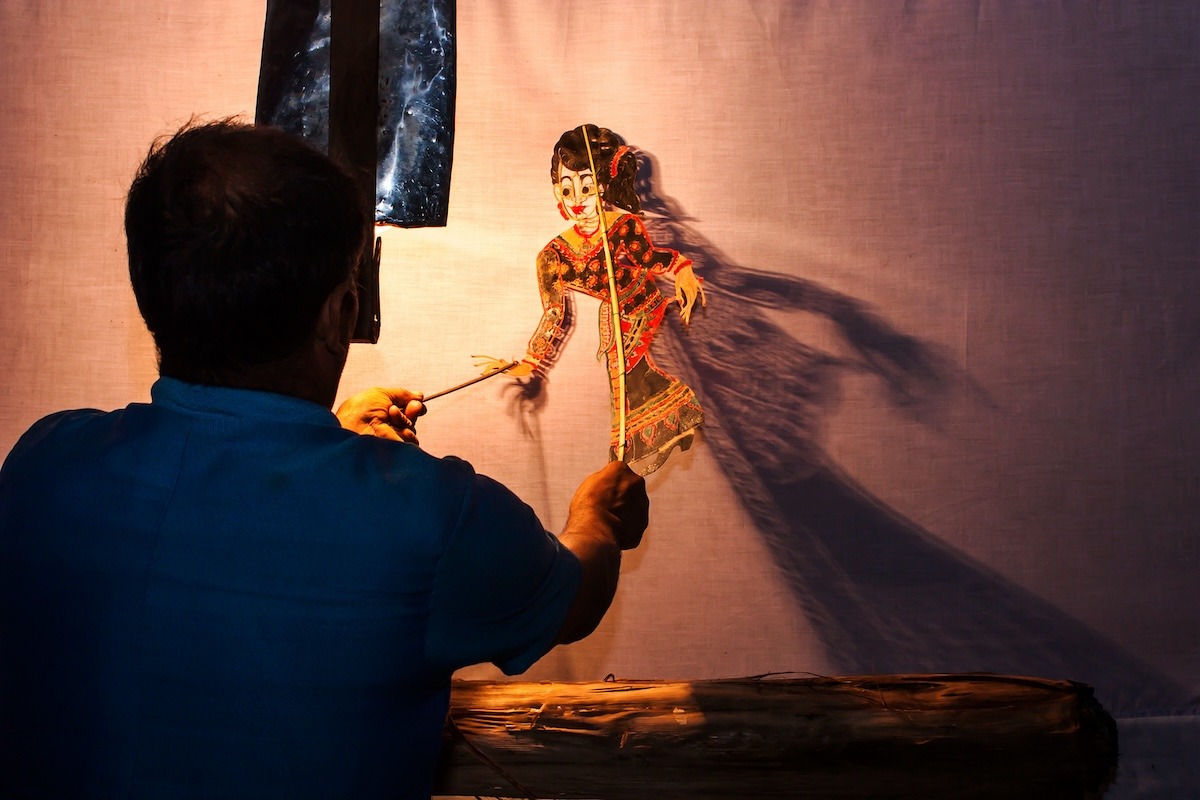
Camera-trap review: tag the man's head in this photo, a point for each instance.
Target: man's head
(238, 236)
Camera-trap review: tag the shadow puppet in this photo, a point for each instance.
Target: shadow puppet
(884, 595)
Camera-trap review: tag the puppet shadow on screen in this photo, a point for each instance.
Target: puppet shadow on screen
(884, 595)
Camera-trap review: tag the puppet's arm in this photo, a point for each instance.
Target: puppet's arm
(664, 261)
(552, 329)
(555, 324)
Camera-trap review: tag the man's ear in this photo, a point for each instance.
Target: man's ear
(335, 324)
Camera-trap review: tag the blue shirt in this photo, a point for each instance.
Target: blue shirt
(224, 594)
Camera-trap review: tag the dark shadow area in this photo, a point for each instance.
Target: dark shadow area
(884, 595)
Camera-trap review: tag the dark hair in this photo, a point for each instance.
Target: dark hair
(617, 181)
(237, 234)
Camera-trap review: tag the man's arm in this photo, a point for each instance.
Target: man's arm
(608, 514)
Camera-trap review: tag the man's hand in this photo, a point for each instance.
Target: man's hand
(618, 491)
(386, 413)
(608, 514)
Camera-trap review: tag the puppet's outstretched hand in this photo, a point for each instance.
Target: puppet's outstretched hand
(688, 288)
(487, 365)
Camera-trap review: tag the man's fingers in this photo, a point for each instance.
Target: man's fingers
(414, 409)
(400, 396)
(403, 419)
(384, 431)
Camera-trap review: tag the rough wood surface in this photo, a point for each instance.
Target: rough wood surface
(961, 736)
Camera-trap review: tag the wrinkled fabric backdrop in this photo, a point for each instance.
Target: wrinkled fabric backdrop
(950, 352)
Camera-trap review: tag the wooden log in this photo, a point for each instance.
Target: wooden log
(954, 736)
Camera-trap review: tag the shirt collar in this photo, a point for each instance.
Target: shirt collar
(248, 403)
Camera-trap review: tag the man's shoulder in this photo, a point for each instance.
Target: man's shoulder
(378, 470)
(387, 459)
(56, 427)
(71, 440)
(60, 420)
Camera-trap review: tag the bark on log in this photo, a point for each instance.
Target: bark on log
(954, 736)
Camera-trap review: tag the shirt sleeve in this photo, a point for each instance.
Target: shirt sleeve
(503, 586)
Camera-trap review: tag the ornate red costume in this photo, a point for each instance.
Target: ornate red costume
(662, 411)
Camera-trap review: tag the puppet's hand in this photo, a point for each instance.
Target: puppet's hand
(487, 365)
(687, 289)
(386, 413)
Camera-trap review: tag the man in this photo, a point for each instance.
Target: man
(226, 593)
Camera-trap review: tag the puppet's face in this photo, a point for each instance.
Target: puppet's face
(577, 193)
